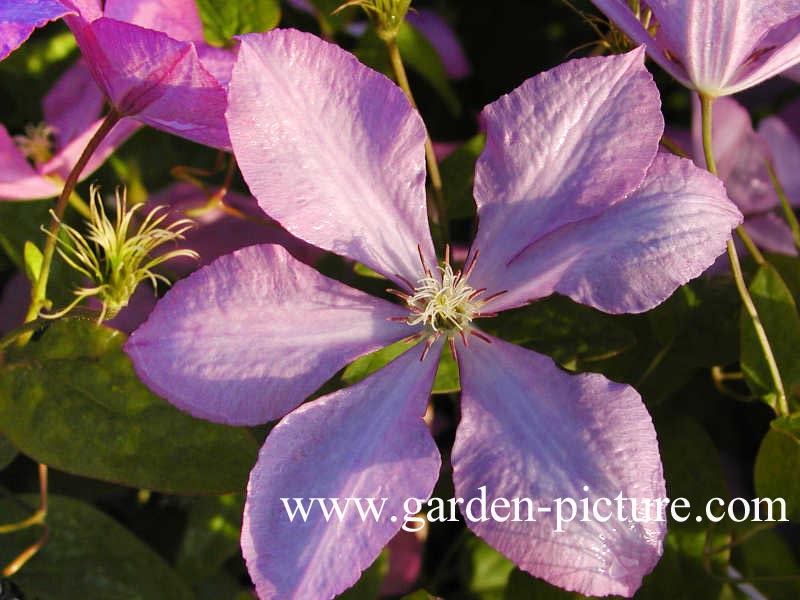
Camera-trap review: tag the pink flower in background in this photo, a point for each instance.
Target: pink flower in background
(568, 201)
(72, 112)
(742, 155)
(717, 47)
(147, 74)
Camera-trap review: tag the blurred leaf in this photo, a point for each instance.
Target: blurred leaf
(458, 176)
(569, 332)
(523, 586)
(778, 464)
(446, 380)
(368, 587)
(767, 555)
(490, 570)
(418, 55)
(683, 571)
(223, 19)
(692, 466)
(88, 555)
(72, 400)
(418, 595)
(789, 268)
(212, 536)
(778, 313)
(7, 452)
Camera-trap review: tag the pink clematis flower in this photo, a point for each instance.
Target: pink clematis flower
(717, 47)
(568, 201)
(147, 74)
(72, 111)
(18, 19)
(742, 156)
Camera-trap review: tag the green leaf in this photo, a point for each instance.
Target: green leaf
(33, 261)
(7, 452)
(420, 55)
(458, 176)
(569, 332)
(778, 463)
(446, 380)
(490, 570)
(72, 400)
(88, 555)
(778, 313)
(767, 555)
(212, 536)
(223, 19)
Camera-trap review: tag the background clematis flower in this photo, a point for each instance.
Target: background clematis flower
(717, 47)
(567, 200)
(742, 156)
(19, 19)
(72, 111)
(149, 75)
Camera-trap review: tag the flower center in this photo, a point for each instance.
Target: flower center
(446, 305)
(36, 144)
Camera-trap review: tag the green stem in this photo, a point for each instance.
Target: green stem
(39, 289)
(433, 167)
(791, 218)
(782, 407)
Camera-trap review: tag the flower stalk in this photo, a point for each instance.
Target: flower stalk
(39, 288)
(782, 407)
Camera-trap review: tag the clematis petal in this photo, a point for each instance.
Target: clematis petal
(156, 79)
(529, 430)
(365, 441)
(331, 150)
(247, 338)
(73, 104)
(740, 153)
(19, 19)
(179, 19)
(635, 254)
(559, 149)
(784, 143)
(18, 179)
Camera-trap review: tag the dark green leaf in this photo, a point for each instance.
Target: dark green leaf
(767, 555)
(72, 400)
(522, 586)
(458, 175)
(778, 464)
(212, 536)
(89, 555)
(778, 313)
(223, 19)
(569, 332)
(7, 452)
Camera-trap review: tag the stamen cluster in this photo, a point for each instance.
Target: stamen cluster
(116, 255)
(36, 143)
(446, 305)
